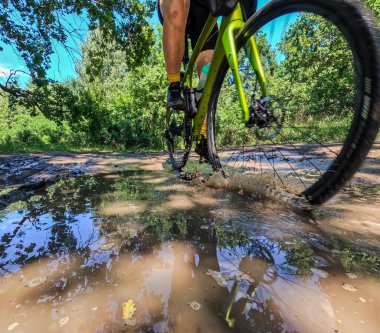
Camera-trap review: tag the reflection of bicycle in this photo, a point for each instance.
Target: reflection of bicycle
(321, 61)
(264, 276)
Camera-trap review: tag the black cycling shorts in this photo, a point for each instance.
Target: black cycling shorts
(198, 14)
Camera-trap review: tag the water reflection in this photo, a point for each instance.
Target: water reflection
(82, 247)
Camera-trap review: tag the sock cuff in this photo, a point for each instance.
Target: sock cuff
(174, 77)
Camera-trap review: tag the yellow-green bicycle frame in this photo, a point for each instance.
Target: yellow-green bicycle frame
(225, 45)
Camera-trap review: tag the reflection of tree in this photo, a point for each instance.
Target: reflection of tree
(62, 238)
(53, 211)
(168, 224)
(299, 256)
(354, 258)
(126, 188)
(57, 212)
(229, 236)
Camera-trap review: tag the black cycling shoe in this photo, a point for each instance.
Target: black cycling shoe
(175, 99)
(202, 150)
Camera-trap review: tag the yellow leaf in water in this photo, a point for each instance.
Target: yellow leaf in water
(129, 309)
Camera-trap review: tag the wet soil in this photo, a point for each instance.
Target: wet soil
(21, 174)
(188, 257)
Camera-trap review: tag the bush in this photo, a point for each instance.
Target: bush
(36, 132)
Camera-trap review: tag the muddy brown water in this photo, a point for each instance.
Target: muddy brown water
(191, 259)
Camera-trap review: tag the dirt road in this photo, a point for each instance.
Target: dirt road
(20, 174)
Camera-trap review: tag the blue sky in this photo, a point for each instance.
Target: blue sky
(63, 62)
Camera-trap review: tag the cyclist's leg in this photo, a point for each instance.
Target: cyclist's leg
(198, 15)
(203, 59)
(174, 14)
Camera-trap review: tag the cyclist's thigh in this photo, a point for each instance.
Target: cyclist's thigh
(198, 15)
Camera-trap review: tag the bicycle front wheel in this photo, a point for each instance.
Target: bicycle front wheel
(321, 61)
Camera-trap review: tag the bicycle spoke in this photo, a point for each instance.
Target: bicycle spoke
(302, 117)
(287, 160)
(306, 158)
(316, 141)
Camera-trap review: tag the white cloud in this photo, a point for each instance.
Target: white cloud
(4, 72)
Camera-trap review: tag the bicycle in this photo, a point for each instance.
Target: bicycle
(282, 126)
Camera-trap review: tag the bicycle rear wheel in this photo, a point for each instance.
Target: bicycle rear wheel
(321, 60)
(177, 137)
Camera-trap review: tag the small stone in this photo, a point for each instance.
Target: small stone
(352, 276)
(107, 246)
(130, 322)
(240, 276)
(217, 276)
(63, 321)
(349, 287)
(194, 305)
(12, 326)
(319, 272)
(36, 282)
(362, 299)
(94, 308)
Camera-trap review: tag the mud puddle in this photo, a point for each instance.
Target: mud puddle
(141, 251)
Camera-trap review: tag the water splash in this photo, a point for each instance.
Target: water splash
(261, 186)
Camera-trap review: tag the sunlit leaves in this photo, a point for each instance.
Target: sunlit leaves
(34, 28)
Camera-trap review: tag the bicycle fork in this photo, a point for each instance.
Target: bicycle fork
(228, 40)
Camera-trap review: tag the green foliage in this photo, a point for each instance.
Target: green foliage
(374, 6)
(22, 129)
(34, 27)
(318, 66)
(121, 107)
(119, 96)
(355, 261)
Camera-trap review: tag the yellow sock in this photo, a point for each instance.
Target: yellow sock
(174, 77)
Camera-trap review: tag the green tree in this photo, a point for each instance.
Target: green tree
(317, 67)
(119, 105)
(34, 27)
(374, 5)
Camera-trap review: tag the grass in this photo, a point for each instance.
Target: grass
(326, 130)
(22, 148)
